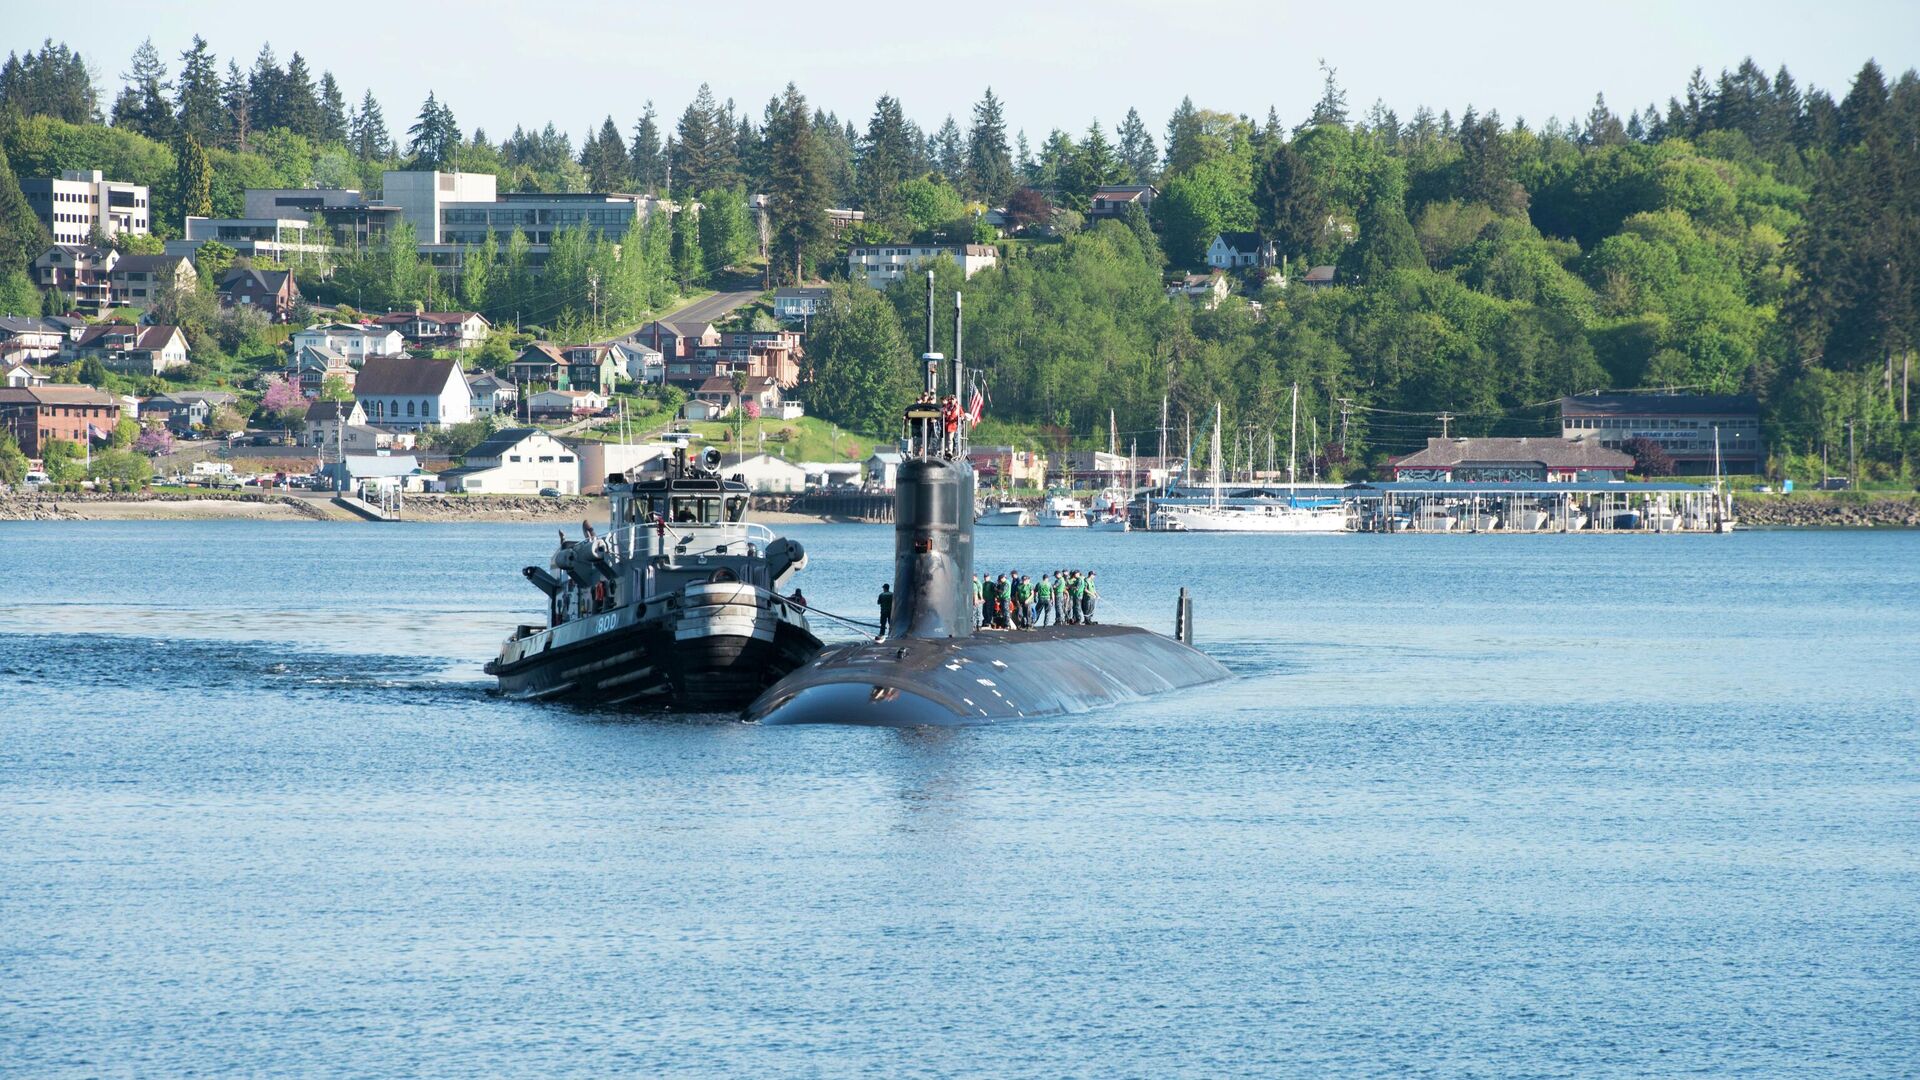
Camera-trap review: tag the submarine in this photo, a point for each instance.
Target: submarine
(934, 668)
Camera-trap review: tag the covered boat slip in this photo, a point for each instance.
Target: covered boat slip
(1598, 507)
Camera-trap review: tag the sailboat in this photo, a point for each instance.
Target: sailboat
(1274, 517)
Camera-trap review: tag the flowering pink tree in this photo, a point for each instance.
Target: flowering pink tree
(154, 440)
(752, 409)
(282, 394)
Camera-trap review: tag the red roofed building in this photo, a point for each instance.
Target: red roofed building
(37, 415)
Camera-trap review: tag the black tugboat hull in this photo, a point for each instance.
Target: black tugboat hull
(656, 664)
(986, 678)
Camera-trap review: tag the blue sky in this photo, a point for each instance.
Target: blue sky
(500, 63)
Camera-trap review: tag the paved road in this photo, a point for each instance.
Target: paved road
(714, 308)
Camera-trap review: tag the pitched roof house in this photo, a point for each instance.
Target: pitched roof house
(1112, 200)
(313, 365)
(439, 329)
(272, 291)
(1241, 250)
(37, 415)
(82, 271)
(517, 460)
(409, 393)
(141, 280)
(354, 341)
(539, 362)
(133, 350)
(1468, 460)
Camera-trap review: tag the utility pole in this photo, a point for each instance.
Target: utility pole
(1446, 421)
(1853, 461)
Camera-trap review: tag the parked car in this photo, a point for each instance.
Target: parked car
(549, 493)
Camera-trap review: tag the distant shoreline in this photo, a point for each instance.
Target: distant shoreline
(279, 506)
(505, 509)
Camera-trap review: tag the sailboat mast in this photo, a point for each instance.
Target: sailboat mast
(1216, 455)
(1293, 434)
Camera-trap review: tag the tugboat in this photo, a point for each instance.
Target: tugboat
(677, 606)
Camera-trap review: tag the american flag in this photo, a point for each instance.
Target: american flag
(976, 406)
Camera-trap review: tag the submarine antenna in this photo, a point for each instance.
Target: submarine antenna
(959, 373)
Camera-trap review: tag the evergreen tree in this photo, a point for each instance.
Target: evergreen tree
(989, 176)
(194, 179)
(197, 95)
(435, 137)
(237, 126)
(886, 158)
(836, 155)
(1603, 127)
(1184, 149)
(263, 91)
(22, 237)
(648, 165)
(1138, 155)
(1386, 241)
(605, 158)
(368, 138)
(299, 105)
(333, 111)
(950, 152)
(1292, 210)
(699, 160)
(52, 82)
(796, 186)
(1331, 109)
(1093, 163)
(144, 106)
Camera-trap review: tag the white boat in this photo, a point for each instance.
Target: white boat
(1005, 513)
(1272, 518)
(1261, 517)
(1062, 512)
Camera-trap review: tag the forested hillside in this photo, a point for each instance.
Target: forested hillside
(1751, 234)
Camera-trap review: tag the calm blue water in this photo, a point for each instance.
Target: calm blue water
(1563, 806)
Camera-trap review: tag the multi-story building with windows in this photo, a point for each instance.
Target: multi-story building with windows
(880, 265)
(1684, 425)
(72, 205)
(37, 415)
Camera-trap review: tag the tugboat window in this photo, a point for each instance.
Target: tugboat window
(737, 508)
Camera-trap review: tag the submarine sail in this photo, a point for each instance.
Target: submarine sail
(934, 669)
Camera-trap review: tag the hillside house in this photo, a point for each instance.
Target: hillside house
(1241, 251)
(410, 394)
(517, 460)
(38, 415)
(81, 271)
(1112, 200)
(142, 280)
(274, 292)
(492, 394)
(565, 404)
(130, 350)
(327, 421)
(439, 329)
(353, 341)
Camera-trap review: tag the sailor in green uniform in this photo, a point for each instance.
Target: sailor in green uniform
(1075, 590)
(1023, 602)
(1042, 599)
(1087, 596)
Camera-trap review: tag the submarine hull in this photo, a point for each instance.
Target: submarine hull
(986, 678)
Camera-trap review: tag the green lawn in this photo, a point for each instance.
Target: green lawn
(806, 439)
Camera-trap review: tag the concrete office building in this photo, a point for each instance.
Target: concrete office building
(72, 205)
